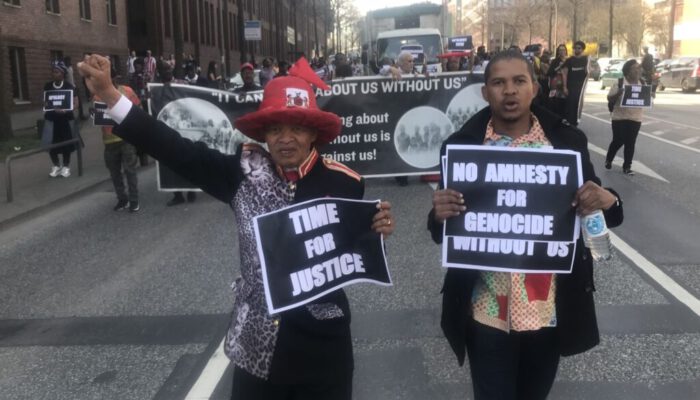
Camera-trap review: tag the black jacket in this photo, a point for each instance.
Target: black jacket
(577, 329)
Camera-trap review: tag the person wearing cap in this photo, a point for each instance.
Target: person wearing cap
(306, 352)
(248, 77)
(59, 124)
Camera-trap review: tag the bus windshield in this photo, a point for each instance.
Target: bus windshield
(391, 47)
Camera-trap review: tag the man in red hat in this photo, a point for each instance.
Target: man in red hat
(248, 77)
(304, 353)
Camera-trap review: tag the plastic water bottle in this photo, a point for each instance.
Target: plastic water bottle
(596, 236)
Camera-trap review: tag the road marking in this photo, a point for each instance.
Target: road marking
(638, 166)
(645, 123)
(211, 375)
(673, 123)
(690, 140)
(658, 133)
(682, 146)
(600, 113)
(657, 274)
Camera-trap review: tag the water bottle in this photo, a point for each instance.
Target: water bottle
(596, 236)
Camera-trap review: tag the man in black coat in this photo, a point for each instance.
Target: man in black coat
(506, 361)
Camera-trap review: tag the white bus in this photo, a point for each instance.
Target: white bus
(390, 43)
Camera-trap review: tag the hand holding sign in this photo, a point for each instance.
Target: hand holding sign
(591, 197)
(383, 221)
(447, 203)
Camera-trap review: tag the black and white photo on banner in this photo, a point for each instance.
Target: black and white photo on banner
(59, 99)
(312, 248)
(519, 216)
(390, 127)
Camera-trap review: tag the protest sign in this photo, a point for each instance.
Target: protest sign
(58, 100)
(636, 96)
(313, 248)
(201, 115)
(100, 117)
(395, 127)
(519, 216)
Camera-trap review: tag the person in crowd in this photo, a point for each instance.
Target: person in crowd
(514, 326)
(648, 69)
(193, 78)
(306, 352)
(543, 78)
(282, 67)
(70, 78)
(212, 76)
(322, 70)
(342, 67)
(576, 78)
(267, 73)
(138, 79)
(120, 155)
(626, 121)
(357, 68)
(481, 53)
(149, 67)
(130, 64)
(404, 67)
(248, 77)
(453, 63)
(557, 74)
(58, 124)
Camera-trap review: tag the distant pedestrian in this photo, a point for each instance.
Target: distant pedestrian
(557, 73)
(282, 67)
(212, 76)
(248, 77)
(648, 68)
(120, 155)
(59, 125)
(266, 74)
(193, 78)
(130, 64)
(149, 67)
(576, 78)
(626, 121)
(138, 79)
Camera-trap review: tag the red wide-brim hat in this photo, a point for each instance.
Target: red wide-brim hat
(291, 100)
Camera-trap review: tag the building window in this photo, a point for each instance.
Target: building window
(166, 18)
(18, 69)
(11, 2)
(202, 24)
(85, 12)
(52, 7)
(185, 20)
(111, 11)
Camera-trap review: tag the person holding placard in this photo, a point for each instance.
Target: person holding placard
(59, 120)
(306, 352)
(515, 326)
(626, 121)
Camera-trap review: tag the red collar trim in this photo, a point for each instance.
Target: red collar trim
(303, 169)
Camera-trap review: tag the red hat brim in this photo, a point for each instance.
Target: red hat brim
(327, 125)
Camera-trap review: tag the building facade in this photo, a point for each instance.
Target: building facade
(33, 33)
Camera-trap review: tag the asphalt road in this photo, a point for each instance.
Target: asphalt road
(102, 305)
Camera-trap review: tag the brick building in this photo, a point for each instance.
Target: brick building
(213, 30)
(35, 32)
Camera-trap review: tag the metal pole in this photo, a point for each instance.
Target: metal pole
(556, 21)
(610, 38)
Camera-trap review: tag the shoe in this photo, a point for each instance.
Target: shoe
(65, 172)
(608, 165)
(628, 171)
(191, 196)
(55, 171)
(121, 205)
(177, 199)
(134, 206)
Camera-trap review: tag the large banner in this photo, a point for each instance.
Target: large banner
(395, 128)
(310, 249)
(519, 216)
(201, 115)
(390, 127)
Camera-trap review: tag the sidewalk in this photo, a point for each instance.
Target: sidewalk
(32, 187)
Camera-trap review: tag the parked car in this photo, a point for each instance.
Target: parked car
(237, 81)
(594, 70)
(658, 70)
(683, 73)
(605, 62)
(611, 75)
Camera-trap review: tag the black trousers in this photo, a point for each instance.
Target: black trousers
(54, 153)
(510, 366)
(573, 104)
(625, 133)
(250, 387)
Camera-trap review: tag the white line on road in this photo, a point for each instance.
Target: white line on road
(657, 274)
(690, 140)
(645, 123)
(658, 133)
(682, 146)
(639, 167)
(211, 375)
(601, 113)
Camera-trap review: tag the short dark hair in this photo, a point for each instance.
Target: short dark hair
(581, 44)
(627, 66)
(509, 55)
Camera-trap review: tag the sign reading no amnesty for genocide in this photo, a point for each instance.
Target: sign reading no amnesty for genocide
(519, 216)
(58, 100)
(312, 248)
(636, 96)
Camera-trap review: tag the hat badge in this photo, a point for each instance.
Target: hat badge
(297, 97)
